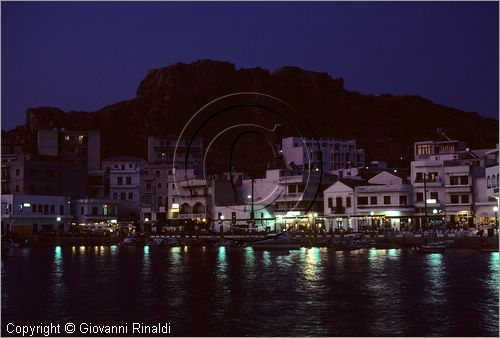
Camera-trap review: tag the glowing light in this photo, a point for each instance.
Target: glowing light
(315, 214)
(27, 205)
(431, 200)
(58, 219)
(372, 213)
(146, 219)
(249, 196)
(146, 249)
(175, 205)
(392, 213)
(114, 221)
(434, 211)
(221, 216)
(495, 208)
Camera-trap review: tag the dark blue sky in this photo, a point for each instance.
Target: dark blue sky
(83, 56)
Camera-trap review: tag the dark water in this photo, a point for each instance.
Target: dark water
(231, 291)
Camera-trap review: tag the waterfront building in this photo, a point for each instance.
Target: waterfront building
(383, 201)
(444, 175)
(123, 181)
(293, 195)
(328, 153)
(27, 215)
(78, 147)
(486, 192)
(194, 198)
(188, 152)
(95, 214)
(154, 190)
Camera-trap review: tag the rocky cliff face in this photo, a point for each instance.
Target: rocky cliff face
(386, 125)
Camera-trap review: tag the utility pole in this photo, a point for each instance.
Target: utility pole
(425, 199)
(252, 216)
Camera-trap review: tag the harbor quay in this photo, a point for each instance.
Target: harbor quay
(461, 239)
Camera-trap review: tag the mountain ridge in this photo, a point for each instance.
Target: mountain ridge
(385, 125)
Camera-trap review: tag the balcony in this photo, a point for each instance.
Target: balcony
(190, 216)
(337, 210)
(430, 183)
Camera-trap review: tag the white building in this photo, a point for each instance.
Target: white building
(29, 214)
(309, 153)
(384, 201)
(124, 182)
(293, 195)
(444, 175)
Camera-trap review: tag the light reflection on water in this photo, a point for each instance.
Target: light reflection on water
(384, 292)
(233, 291)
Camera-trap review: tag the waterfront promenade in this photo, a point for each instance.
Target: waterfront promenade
(463, 239)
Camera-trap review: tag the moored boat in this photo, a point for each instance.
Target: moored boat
(164, 241)
(131, 241)
(435, 247)
(276, 242)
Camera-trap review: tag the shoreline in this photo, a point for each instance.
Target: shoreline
(466, 242)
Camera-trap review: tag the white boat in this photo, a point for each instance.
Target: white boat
(164, 241)
(131, 241)
(435, 246)
(276, 242)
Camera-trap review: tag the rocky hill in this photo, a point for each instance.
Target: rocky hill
(384, 125)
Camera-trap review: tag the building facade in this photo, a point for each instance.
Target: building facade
(384, 201)
(123, 181)
(326, 153)
(78, 147)
(28, 215)
(181, 154)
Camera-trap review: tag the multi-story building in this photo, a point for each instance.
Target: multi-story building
(383, 201)
(27, 215)
(486, 193)
(444, 174)
(288, 193)
(39, 175)
(154, 190)
(78, 147)
(123, 182)
(186, 152)
(326, 153)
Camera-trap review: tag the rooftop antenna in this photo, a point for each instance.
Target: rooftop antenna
(441, 132)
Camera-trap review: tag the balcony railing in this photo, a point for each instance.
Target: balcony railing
(338, 210)
(428, 181)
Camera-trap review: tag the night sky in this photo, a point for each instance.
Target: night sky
(83, 56)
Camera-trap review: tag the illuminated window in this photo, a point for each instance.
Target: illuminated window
(424, 149)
